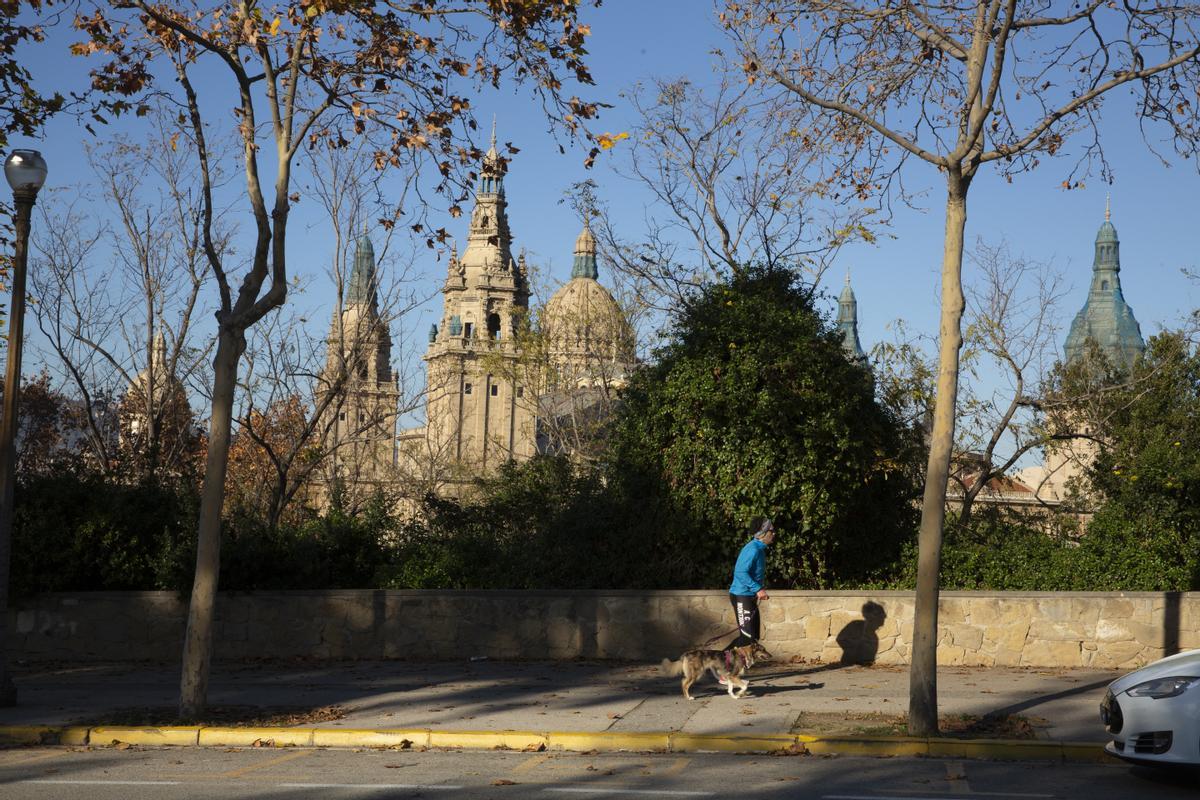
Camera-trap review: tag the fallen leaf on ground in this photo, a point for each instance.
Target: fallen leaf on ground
(503, 782)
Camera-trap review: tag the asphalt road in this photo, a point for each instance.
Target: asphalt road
(202, 773)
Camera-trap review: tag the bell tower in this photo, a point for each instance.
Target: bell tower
(478, 413)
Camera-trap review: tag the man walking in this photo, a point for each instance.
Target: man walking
(749, 574)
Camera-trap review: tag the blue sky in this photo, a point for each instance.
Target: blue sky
(1154, 206)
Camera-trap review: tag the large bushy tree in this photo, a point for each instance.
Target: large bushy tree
(753, 407)
(1147, 472)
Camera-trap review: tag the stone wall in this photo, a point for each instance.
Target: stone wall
(1088, 629)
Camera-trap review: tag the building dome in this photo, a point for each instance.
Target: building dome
(584, 326)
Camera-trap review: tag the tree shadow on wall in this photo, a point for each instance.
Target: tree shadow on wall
(858, 640)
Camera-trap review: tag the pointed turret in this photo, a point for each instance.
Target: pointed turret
(362, 276)
(1106, 318)
(847, 322)
(585, 255)
(488, 239)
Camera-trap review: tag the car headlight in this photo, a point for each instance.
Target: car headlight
(1162, 687)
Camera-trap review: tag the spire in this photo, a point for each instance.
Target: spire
(1106, 318)
(491, 179)
(847, 322)
(159, 355)
(585, 255)
(362, 276)
(1107, 200)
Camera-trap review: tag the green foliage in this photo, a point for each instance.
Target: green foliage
(76, 532)
(548, 523)
(753, 408)
(1148, 470)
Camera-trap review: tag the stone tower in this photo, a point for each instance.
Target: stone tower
(358, 383)
(478, 413)
(847, 322)
(1107, 320)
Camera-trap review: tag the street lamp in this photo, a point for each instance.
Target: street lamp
(26, 172)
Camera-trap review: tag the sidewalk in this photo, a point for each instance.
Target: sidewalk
(575, 705)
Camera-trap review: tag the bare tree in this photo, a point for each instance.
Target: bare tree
(958, 86)
(323, 72)
(1011, 333)
(118, 301)
(301, 382)
(733, 182)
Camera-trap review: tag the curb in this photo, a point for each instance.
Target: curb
(669, 742)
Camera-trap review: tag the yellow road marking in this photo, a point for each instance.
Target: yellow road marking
(531, 762)
(679, 766)
(237, 773)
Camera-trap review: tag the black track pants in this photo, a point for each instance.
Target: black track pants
(745, 611)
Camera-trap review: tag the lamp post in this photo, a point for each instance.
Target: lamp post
(26, 172)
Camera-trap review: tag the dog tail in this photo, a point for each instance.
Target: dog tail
(672, 667)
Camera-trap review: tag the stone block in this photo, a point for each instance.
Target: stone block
(1042, 629)
(1116, 655)
(968, 637)
(1009, 638)
(1115, 607)
(1054, 609)
(983, 610)
(816, 629)
(950, 655)
(1052, 654)
(951, 611)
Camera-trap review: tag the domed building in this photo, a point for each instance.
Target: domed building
(589, 341)
(494, 394)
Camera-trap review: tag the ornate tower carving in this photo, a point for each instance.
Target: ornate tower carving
(478, 413)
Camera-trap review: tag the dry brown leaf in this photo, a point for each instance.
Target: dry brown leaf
(503, 782)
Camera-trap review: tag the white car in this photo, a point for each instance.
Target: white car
(1153, 714)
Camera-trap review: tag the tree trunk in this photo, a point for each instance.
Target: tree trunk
(198, 644)
(922, 687)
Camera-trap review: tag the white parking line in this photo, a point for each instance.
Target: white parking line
(106, 783)
(638, 792)
(408, 786)
(966, 796)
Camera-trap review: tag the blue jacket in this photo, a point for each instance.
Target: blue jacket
(750, 569)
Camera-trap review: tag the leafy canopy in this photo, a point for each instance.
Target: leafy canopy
(753, 408)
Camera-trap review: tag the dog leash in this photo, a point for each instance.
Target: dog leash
(707, 642)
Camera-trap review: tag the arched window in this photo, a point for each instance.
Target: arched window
(1104, 285)
(493, 323)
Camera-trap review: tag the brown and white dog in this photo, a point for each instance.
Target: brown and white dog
(727, 666)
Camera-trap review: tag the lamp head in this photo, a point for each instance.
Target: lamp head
(25, 169)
